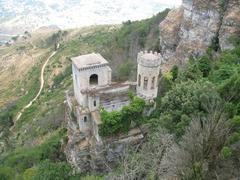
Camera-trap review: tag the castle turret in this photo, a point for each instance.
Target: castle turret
(148, 74)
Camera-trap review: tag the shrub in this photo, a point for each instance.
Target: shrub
(226, 152)
(6, 173)
(119, 121)
(30, 173)
(174, 72)
(48, 171)
(185, 100)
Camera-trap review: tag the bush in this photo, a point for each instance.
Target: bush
(185, 100)
(6, 173)
(30, 173)
(57, 171)
(119, 121)
(226, 152)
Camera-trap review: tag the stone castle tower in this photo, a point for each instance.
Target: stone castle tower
(148, 74)
(94, 90)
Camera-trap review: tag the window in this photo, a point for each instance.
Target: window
(76, 79)
(94, 103)
(153, 83)
(85, 118)
(139, 80)
(93, 79)
(145, 83)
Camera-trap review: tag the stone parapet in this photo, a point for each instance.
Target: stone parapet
(149, 59)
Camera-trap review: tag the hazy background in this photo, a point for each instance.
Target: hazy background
(16, 16)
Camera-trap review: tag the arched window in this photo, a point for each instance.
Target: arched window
(153, 83)
(93, 79)
(145, 83)
(139, 80)
(85, 118)
(94, 103)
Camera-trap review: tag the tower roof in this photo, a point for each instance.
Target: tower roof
(149, 59)
(88, 60)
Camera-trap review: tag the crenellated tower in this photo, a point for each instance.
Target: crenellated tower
(148, 74)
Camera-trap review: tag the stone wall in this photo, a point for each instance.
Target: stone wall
(81, 80)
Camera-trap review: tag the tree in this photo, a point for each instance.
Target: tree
(184, 101)
(196, 155)
(143, 163)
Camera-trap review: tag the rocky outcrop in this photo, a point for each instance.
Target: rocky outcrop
(190, 29)
(230, 24)
(86, 153)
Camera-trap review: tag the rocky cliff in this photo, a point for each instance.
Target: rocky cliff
(193, 27)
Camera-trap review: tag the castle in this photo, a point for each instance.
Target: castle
(93, 87)
(93, 90)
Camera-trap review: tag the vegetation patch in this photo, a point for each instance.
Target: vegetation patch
(119, 121)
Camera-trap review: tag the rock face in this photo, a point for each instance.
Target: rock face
(190, 29)
(230, 24)
(86, 153)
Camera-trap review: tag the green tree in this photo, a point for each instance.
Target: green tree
(49, 171)
(185, 100)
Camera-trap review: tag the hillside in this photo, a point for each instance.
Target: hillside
(42, 124)
(194, 132)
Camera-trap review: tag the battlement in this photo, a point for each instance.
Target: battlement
(149, 59)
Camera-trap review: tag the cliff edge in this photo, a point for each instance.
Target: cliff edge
(196, 25)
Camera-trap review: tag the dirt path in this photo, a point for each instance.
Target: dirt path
(19, 114)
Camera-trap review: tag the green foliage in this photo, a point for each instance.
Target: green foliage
(6, 117)
(234, 138)
(119, 121)
(92, 178)
(226, 152)
(185, 100)
(55, 38)
(204, 64)
(192, 72)
(22, 159)
(125, 70)
(174, 72)
(30, 173)
(48, 170)
(59, 78)
(230, 88)
(6, 173)
(165, 84)
(138, 31)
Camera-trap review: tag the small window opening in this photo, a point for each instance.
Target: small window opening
(139, 80)
(145, 83)
(94, 103)
(85, 118)
(153, 83)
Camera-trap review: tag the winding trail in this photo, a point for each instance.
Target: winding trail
(19, 114)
